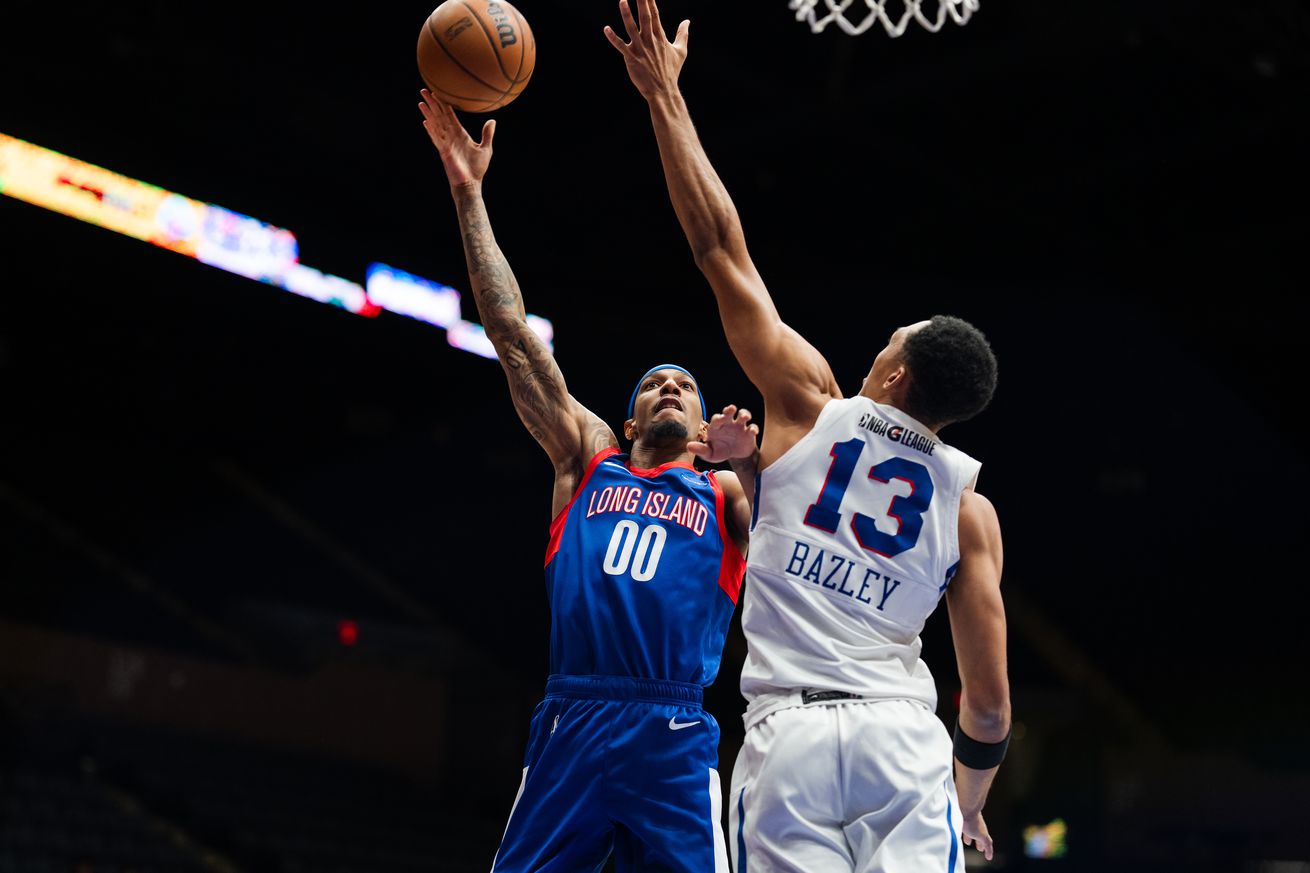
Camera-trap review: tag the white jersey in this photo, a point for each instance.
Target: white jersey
(854, 542)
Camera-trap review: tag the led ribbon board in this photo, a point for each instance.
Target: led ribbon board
(228, 240)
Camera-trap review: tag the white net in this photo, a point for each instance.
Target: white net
(839, 12)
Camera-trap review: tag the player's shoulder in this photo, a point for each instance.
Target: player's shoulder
(728, 480)
(979, 522)
(734, 493)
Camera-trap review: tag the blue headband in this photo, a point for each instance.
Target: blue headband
(632, 401)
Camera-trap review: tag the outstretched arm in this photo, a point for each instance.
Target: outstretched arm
(568, 432)
(978, 629)
(791, 374)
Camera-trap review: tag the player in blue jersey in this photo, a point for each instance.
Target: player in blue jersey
(643, 569)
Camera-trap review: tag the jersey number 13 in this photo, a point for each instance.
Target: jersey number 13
(907, 511)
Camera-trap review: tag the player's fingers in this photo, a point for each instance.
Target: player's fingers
(754, 428)
(432, 117)
(435, 120)
(430, 125)
(615, 41)
(728, 410)
(651, 14)
(447, 113)
(629, 23)
(683, 34)
(488, 133)
(744, 415)
(436, 106)
(643, 17)
(699, 449)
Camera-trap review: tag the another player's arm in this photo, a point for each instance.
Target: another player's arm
(568, 432)
(977, 614)
(791, 374)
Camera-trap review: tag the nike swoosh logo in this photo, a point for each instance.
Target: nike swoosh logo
(675, 725)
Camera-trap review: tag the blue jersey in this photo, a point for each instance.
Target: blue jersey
(641, 575)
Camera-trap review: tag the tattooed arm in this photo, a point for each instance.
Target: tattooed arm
(570, 434)
(549, 412)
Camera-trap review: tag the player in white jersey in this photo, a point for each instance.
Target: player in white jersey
(865, 519)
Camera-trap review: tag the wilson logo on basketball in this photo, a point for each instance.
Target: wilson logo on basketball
(504, 28)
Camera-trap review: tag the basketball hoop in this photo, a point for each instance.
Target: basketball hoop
(807, 10)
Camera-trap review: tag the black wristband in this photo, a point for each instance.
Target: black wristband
(976, 755)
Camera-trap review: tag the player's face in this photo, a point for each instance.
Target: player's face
(668, 404)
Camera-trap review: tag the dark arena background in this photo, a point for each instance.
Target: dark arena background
(271, 569)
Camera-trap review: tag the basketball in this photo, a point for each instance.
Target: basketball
(476, 55)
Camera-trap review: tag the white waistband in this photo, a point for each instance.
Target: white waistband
(765, 705)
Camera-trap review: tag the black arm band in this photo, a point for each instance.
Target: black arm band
(976, 755)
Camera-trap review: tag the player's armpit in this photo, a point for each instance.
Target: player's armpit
(594, 436)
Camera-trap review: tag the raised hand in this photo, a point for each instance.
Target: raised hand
(731, 435)
(653, 62)
(465, 160)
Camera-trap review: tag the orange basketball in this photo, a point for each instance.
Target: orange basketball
(476, 55)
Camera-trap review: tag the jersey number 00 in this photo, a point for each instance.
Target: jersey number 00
(638, 550)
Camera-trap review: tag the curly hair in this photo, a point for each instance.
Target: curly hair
(952, 371)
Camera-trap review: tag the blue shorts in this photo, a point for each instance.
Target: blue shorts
(617, 766)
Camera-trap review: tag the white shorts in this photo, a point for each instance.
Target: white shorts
(852, 785)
